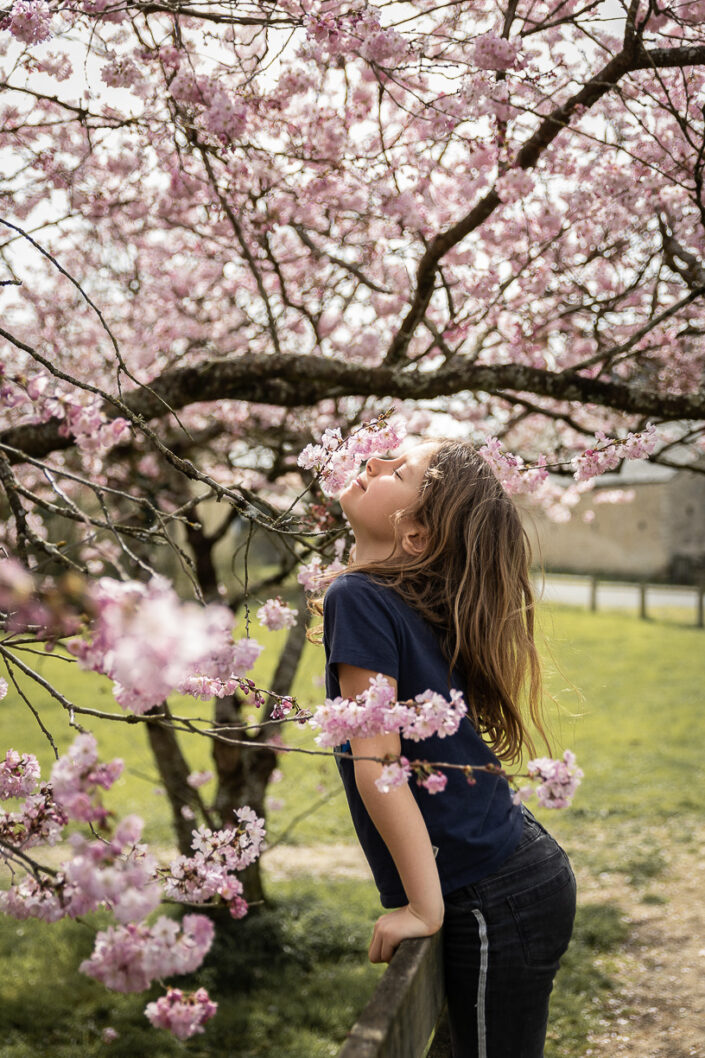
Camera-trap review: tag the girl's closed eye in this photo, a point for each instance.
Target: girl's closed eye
(398, 474)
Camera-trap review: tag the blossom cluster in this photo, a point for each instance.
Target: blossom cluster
(559, 779)
(354, 33)
(490, 52)
(313, 575)
(119, 873)
(336, 458)
(376, 711)
(151, 644)
(129, 958)
(275, 614)
(514, 185)
(515, 475)
(608, 453)
(38, 821)
(86, 423)
(183, 1014)
(218, 854)
(18, 598)
(30, 21)
(19, 775)
(217, 111)
(78, 775)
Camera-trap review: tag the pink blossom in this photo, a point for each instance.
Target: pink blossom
(513, 473)
(217, 856)
(3, 688)
(19, 774)
(559, 779)
(56, 65)
(225, 117)
(376, 710)
(336, 459)
(76, 777)
(524, 793)
(199, 778)
(397, 773)
(128, 958)
(608, 452)
(490, 52)
(109, 1034)
(121, 72)
(33, 898)
(30, 21)
(39, 821)
(514, 185)
(16, 584)
(182, 1013)
(151, 643)
(435, 782)
(275, 614)
(107, 873)
(245, 654)
(313, 575)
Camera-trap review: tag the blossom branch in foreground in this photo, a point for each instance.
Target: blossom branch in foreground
(376, 711)
(117, 872)
(336, 458)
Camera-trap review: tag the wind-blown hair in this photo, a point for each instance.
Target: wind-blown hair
(472, 584)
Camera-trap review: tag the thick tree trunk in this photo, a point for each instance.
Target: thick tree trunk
(244, 771)
(174, 771)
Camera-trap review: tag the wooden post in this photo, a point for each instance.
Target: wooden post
(593, 593)
(700, 620)
(405, 1007)
(642, 600)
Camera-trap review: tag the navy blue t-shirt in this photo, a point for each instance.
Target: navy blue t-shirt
(475, 828)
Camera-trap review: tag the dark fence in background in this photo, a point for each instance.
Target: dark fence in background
(604, 593)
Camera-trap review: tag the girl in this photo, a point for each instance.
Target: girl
(439, 597)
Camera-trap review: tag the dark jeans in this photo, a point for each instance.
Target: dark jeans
(503, 939)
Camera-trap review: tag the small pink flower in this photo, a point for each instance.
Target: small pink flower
(30, 21)
(435, 782)
(199, 778)
(395, 774)
(559, 779)
(182, 1013)
(275, 614)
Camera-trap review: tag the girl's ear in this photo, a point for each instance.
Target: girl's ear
(414, 540)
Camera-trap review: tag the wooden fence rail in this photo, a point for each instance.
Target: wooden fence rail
(407, 1007)
(697, 594)
(602, 592)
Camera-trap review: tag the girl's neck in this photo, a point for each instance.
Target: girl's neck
(367, 551)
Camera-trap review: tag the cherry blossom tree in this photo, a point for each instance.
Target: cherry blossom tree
(230, 230)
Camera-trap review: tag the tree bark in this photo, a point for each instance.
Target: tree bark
(244, 771)
(174, 771)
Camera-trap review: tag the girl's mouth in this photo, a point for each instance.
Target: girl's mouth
(359, 481)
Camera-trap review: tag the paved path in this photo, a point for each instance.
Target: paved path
(611, 595)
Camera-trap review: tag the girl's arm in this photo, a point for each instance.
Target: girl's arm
(401, 826)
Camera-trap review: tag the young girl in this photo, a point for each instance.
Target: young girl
(439, 597)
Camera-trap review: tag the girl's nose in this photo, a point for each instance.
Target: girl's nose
(375, 466)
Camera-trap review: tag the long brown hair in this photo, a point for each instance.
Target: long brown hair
(472, 584)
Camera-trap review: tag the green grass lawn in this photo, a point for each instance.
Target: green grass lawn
(629, 703)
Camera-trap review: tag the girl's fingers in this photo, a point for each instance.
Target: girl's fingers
(381, 947)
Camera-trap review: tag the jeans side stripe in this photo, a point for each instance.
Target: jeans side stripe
(481, 986)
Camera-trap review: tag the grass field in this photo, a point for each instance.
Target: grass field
(291, 980)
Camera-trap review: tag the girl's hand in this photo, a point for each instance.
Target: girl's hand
(394, 927)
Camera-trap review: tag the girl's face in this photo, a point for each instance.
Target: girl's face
(384, 487)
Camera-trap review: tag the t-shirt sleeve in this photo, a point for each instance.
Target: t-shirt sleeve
(359, 626)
